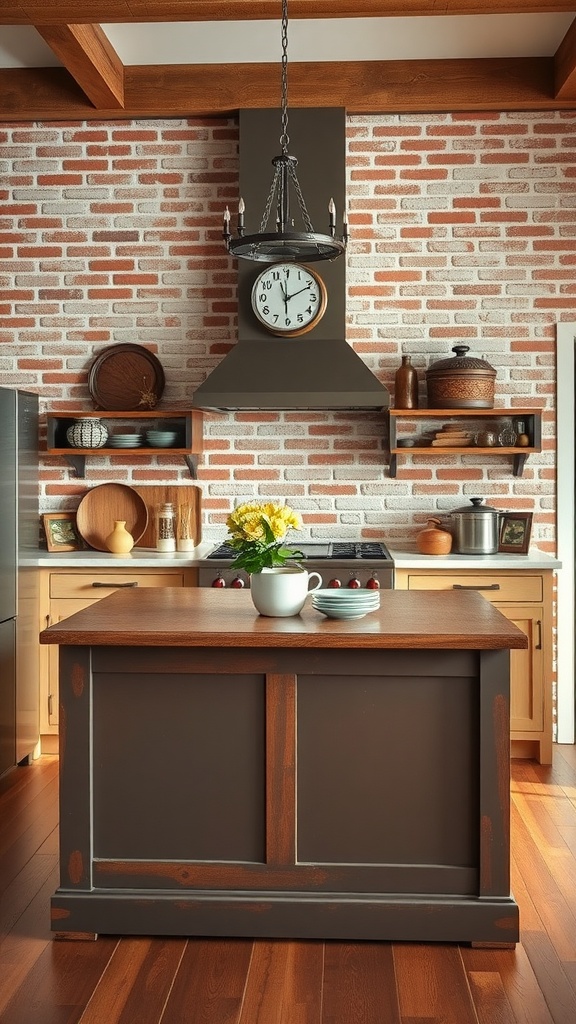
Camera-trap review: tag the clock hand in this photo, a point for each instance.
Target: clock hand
(285, 294)
(288, 297)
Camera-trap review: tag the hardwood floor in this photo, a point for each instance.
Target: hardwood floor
(195, 981)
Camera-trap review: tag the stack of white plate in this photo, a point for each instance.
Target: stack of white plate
(345, 603)
(124, 440)
(162, 438)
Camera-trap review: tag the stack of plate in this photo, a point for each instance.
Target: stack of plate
(345, 603)
(124, 441)
(161, 438)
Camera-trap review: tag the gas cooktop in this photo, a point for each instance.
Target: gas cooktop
(345, 550)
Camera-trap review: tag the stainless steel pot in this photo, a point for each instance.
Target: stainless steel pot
(475, 528)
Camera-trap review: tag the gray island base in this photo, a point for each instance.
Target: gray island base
(226, 774)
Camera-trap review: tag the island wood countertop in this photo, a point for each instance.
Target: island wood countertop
(201, 617)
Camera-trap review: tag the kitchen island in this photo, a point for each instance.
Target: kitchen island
(227, 774)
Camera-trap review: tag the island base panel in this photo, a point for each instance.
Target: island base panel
(374, 918)
(439, 870)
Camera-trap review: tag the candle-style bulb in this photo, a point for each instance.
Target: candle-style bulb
(332, 212)
(345, 225)
(241, 209)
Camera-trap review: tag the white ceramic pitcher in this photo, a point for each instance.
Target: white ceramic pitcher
(282, 590)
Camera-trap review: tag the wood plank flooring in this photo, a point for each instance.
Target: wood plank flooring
(235, 981)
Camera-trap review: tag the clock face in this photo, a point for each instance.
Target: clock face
(289, 299)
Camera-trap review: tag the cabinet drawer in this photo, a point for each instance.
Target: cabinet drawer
(493, 586)
(95, 584)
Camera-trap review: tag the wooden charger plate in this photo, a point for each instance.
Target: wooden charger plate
(126, 377)
(102, 506)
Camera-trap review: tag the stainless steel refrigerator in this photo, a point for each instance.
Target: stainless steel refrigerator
(19, 522)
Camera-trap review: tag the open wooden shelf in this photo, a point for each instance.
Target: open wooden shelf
(532, 418)
(188, 422)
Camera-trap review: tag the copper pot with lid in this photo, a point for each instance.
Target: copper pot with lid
(461, 382)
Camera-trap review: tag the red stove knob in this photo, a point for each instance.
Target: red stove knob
(237, 583)
(373, 583)
(354, 583)
(219, 582)
(334, 584)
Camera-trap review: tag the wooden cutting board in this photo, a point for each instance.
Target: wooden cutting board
(179, 494)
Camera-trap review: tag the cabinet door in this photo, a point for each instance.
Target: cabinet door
(526, 670)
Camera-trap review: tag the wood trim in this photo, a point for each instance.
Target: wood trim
(90, 58)
(54, 13)
(280, 769)
(220, 90)
(565, 65)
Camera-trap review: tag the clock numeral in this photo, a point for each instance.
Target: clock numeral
(300, 318)
(265, 311)
(287, 321)
(313, 297)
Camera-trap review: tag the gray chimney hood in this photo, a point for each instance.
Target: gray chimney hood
(294, 373)
(318, 370)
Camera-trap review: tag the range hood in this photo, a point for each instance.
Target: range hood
(319, 370)
(291, 374)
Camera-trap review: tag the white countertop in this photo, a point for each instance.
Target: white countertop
(138, 558)
(404, 558)
(412, 559)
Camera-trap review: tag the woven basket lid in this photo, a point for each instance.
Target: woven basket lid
(462, 364)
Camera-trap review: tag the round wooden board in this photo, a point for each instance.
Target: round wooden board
(102, 506)
(126, 377)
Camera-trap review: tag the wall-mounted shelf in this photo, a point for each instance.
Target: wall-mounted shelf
(412, 420)
(187, 422)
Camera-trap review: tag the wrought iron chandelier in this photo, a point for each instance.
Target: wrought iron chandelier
(285, 243)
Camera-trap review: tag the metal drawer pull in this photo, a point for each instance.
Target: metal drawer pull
(539, 627)
(462, 586)
(133, 584)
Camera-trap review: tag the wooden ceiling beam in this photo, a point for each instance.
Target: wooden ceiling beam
(360, 87)
(63, 12)
(86, 52)
(565, 66)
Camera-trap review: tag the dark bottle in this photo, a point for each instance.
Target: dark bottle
(406, 385)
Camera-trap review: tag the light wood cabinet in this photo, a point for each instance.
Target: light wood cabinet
(66, 591)
(526, 599)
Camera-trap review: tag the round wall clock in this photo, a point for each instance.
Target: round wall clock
(289, 299)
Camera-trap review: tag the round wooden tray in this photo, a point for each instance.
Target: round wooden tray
(126, 377)
(102, 506)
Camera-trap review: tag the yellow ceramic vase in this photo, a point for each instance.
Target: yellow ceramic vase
(120, 541)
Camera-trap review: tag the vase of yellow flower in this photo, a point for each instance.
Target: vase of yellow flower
(278, 583)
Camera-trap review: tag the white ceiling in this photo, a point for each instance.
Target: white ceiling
(349, 39)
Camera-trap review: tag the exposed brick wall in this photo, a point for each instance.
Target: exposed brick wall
(463, 229)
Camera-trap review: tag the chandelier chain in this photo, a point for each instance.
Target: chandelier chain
(300, 197)
(284, 137)
(270, 200)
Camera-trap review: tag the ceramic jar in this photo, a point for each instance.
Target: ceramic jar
(120, 541)
(87, 432)
(434, 540)
(406, 385)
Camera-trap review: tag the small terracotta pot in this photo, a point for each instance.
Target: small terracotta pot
(434, 540)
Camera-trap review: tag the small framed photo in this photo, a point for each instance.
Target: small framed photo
(61, 532)
(515, 529)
